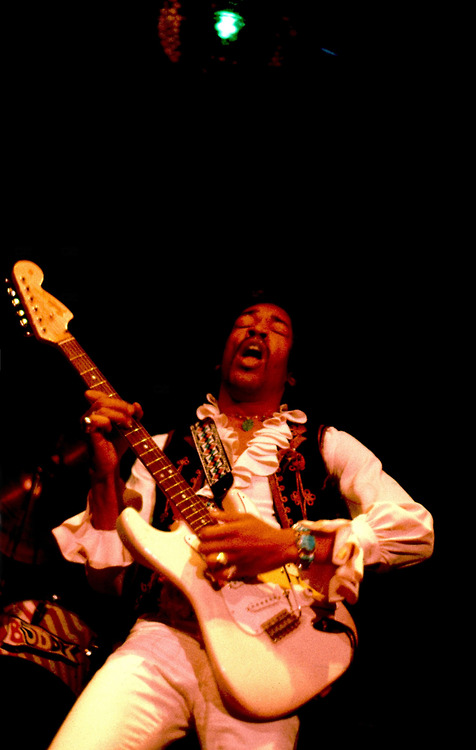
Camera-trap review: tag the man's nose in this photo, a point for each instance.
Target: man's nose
(257, 330)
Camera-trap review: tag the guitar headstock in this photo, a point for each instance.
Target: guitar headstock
(47, 317)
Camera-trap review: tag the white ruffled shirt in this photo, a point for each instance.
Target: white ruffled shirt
(387, 529)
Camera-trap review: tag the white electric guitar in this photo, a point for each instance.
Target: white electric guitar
(273, 642)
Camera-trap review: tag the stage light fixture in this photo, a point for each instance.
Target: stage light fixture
(228, 25)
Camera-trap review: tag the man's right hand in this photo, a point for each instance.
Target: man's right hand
(108, 446)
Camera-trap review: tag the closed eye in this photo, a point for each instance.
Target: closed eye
(280, 327)
(277, 325)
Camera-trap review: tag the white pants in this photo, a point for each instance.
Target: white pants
(151, 691)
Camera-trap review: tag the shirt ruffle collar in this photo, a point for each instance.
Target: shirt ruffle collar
(261, 456)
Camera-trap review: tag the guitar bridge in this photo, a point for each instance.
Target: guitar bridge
(281, 624)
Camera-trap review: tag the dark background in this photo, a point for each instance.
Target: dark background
(154, 197)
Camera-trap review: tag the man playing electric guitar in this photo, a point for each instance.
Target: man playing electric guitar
(165, 679)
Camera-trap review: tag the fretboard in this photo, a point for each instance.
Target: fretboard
(192, 508)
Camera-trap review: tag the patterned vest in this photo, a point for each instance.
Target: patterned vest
(302, 489)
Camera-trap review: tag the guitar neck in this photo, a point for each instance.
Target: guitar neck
(192, 508)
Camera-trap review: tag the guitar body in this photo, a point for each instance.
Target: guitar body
(272, 643)
(258, 678)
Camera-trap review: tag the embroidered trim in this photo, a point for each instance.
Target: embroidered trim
(213, 456)
(282, 512)
(291, 460)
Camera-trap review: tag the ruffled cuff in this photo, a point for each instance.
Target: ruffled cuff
(347, 555)
(81, 543)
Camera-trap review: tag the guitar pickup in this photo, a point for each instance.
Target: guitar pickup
(280, 625)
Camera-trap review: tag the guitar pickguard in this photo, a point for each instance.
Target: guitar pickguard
(251, 606)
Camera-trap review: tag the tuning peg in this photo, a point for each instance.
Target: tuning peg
(24, 322)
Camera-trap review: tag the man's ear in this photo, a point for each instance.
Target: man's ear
(291, 380)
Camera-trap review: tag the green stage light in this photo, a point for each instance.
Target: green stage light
(228, 25)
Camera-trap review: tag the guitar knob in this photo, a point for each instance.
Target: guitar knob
(20, 313)
(23, 322)
(15, 302)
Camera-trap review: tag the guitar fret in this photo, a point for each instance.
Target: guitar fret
(190, 519)
(189, 509)
(96, 383)
(143, 447)
(159, 474)
(146, 452)
(178, 484)
(93, 378)
(143, 444)
(178, 503)
(159, 458)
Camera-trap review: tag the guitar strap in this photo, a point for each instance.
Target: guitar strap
(213, 457)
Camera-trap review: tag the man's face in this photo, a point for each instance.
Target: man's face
(255, 359)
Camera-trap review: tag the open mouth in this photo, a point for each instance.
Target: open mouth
(252, 351)
(251, 354)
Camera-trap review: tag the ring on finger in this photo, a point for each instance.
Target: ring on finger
(222, 559)
(87, 424)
